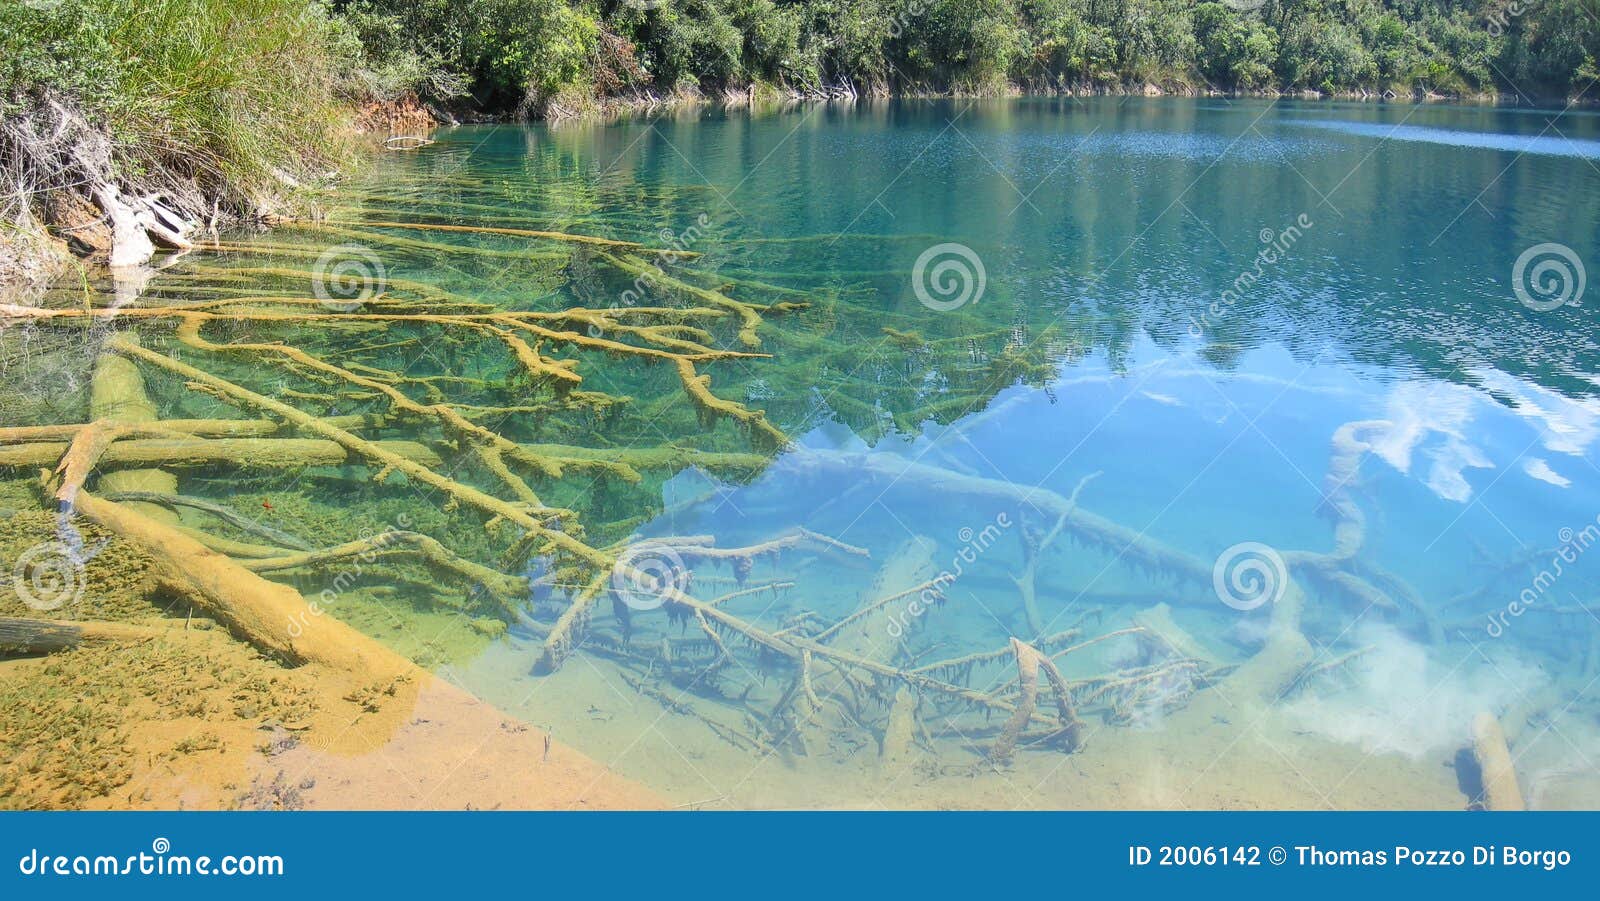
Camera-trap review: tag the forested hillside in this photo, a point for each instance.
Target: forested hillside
(503, 51)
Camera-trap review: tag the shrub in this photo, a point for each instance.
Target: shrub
(234, 98)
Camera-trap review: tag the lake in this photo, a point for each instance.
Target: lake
(764, 449)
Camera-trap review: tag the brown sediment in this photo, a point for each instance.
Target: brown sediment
(403, 115)
(195, 720)
(275, 618)
(451, 750)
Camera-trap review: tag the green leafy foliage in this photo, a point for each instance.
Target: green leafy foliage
(237, 95)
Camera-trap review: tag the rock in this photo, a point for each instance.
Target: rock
(80, 223)
(404, 116)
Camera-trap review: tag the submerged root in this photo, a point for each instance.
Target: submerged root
(514, 232)
(505, 589)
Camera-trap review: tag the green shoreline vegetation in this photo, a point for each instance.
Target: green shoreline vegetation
(225, 109)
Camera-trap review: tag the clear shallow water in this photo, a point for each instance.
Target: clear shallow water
(1131, 354)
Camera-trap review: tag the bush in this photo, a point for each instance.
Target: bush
(1234, 51)
(234, 97)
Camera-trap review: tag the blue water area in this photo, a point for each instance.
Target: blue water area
(1287, 412)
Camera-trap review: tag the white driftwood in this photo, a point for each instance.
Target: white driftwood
(130, 243)
(164, 225)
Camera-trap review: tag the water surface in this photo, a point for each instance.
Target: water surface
(1160, 312)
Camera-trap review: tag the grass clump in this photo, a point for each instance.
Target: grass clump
(222, 106)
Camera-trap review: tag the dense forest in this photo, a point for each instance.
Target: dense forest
(227, 107)
(506, 52)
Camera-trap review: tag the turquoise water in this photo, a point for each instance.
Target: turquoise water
(1111, 233)
(1181, 306)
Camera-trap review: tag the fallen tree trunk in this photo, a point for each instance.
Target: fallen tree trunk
(1499, 777)
(43, 636)
(199, 428)
(1090, 528)
(116, 394)
(258, 452)
(1169, 639)
(272, 617)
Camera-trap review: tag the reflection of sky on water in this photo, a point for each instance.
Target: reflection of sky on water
(1548, 144)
